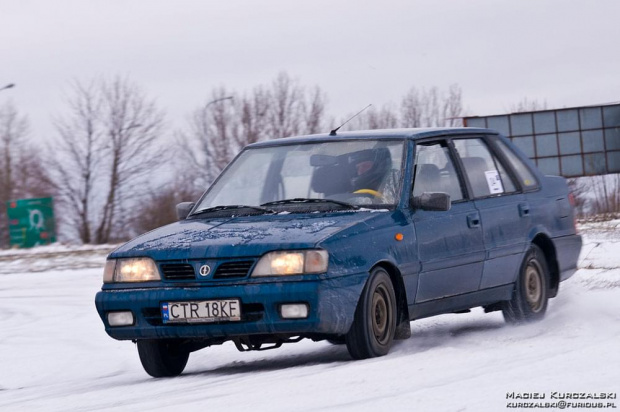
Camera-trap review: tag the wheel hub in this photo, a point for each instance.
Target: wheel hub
(533, 286)
(380, 315)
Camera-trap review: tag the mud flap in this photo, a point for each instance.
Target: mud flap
(403, 331)
(403, 327)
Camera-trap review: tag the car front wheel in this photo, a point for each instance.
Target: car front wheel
(531, 294)
(162, 358)
(373, 328)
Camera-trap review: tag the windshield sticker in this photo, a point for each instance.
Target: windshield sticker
(494, 182)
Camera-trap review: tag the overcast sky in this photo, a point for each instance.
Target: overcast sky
(566, 52)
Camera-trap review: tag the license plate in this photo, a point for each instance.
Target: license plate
(201, 311)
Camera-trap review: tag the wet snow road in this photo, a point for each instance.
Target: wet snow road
(55, 355)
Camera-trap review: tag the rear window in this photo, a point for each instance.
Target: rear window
(525, 175)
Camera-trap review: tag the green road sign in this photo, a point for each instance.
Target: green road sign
(31, 222)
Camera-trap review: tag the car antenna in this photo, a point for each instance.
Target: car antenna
(333, 132)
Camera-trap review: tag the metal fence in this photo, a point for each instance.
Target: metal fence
(580, 141)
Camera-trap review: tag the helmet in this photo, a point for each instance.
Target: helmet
(368, 168)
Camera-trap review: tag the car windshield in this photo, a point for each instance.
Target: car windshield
(334, 175)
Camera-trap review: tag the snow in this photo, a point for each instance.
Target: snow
(54, 256)
(55, 355)
(55, 248)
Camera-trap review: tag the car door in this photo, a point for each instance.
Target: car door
(504, 210)
(450, 243)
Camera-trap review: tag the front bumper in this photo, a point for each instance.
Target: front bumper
(332, 302)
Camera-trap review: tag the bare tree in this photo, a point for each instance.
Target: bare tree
(291, 111)
(229, 121)
(21, 172)
(314, 111)
(81, 144)
(528, 105)
(432, 108)
(13, 129)
(213, 136)
(418, 108)
(596, 197)
(133, 125)
(159, 206)
(452, 107)
(252, 112)
(372, 118)
(605, 195)
(109, 144)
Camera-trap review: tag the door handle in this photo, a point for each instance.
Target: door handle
(473, 220)
(524, 209)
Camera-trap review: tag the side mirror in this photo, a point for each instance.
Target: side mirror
(436, 201)
(183, 209)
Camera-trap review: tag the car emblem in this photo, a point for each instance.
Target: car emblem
(205, 270)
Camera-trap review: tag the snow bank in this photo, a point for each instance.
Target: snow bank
(53, 257)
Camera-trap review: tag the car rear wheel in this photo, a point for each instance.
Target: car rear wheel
(531, 294)
(373, 328)
(162, 358)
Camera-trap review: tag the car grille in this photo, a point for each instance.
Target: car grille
(235, 269)
(178, 271)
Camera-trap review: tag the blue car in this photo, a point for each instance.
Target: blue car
(345, 237)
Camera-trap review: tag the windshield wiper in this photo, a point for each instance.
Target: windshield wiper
(299, 200)
(231, 207)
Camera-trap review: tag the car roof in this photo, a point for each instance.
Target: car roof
(381, 134)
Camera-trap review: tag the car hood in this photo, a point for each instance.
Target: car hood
(239, 236)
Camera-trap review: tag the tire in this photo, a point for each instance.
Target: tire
(531, 294)
(162, 358)
(374, 324)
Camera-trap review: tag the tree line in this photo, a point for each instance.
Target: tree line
(116, 169)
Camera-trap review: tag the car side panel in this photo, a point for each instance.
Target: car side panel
(553, 216)
(505, 223)
(451, 251)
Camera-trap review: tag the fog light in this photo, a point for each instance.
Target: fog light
(294, 311)
(124, 318)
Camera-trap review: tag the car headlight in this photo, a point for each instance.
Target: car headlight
(130, 270)
(292, 263)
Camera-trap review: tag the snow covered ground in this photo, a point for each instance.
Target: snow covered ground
(55, 355)
(50, 257)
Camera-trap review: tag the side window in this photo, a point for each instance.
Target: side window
(524, 173)
(435, 171)
(485, 173)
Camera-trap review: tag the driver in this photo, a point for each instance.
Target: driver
(369, 169)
